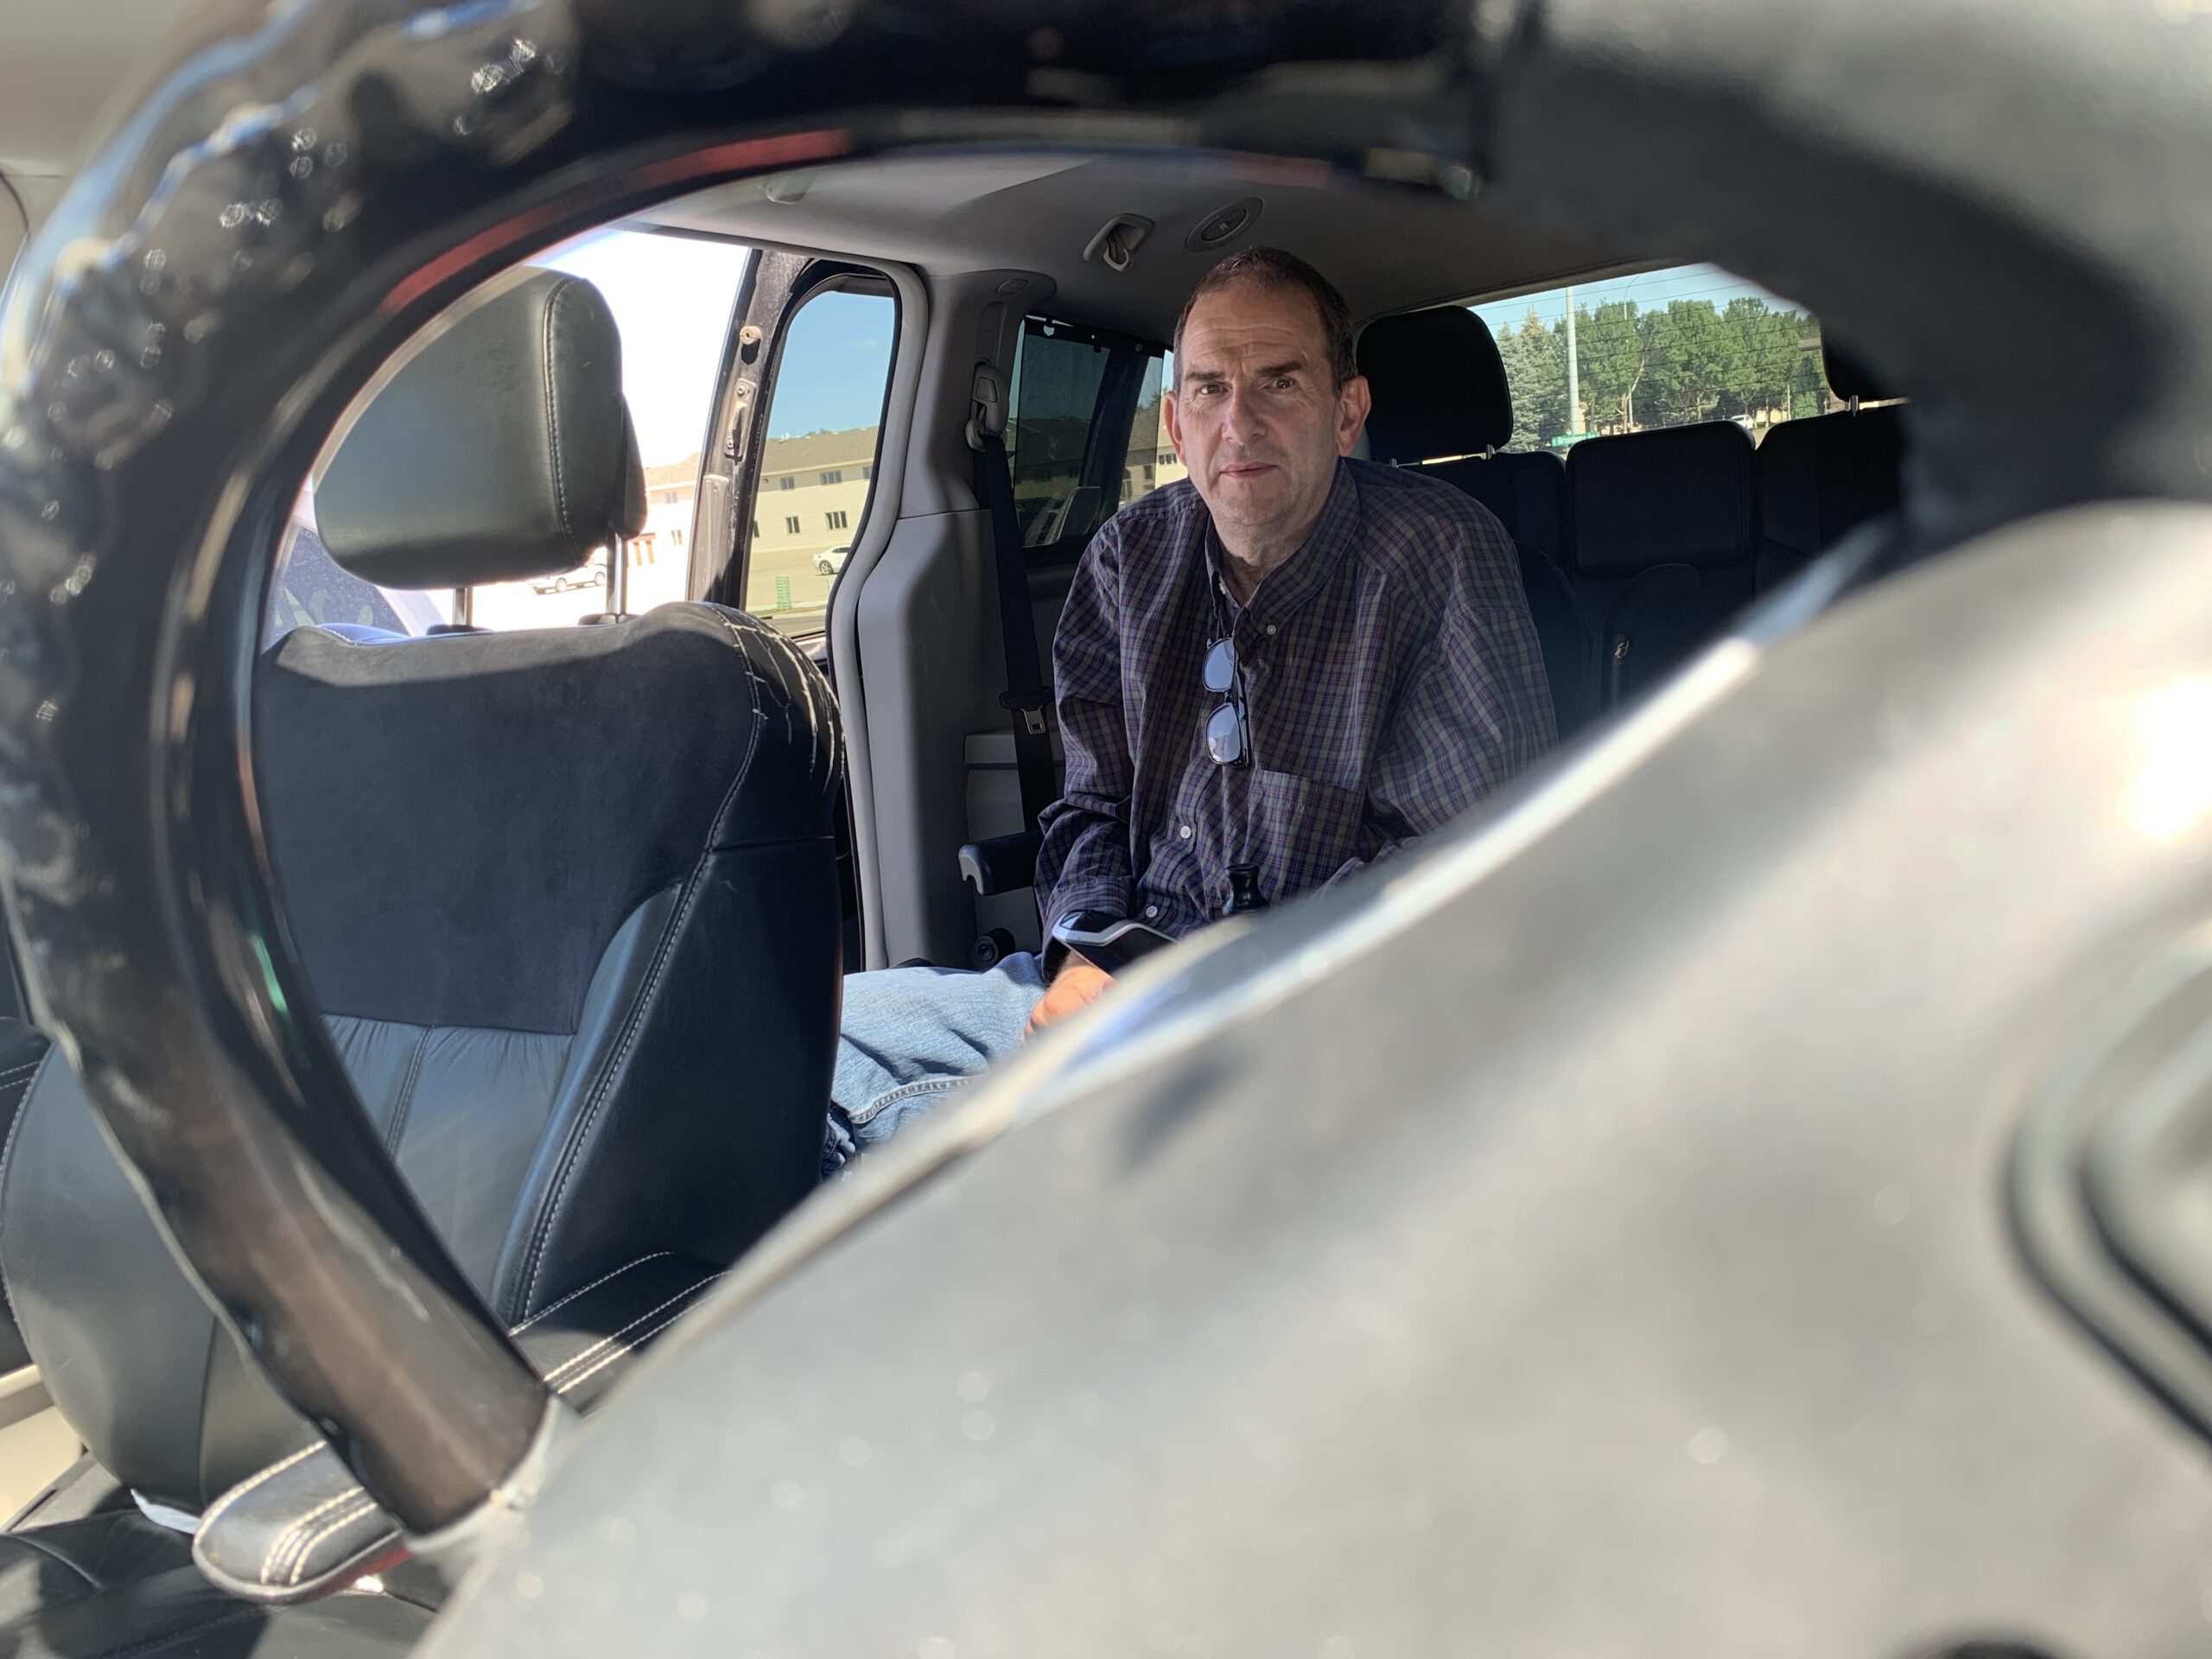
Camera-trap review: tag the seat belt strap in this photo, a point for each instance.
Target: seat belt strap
(1025, 698)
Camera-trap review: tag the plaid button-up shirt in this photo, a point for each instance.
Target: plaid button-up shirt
(1392, 678)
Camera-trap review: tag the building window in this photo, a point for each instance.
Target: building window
(788, 481)
(756, 530)
(836, 520)
(676, 539)
(791, 526)
(866, 473)
(833, 478)
(1165, 458)
(669, 497)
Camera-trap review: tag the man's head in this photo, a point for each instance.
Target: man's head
(1267, 397)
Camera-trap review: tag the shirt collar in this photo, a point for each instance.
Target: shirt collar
(1287, 588)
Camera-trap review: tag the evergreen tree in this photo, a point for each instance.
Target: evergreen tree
(1536, 374)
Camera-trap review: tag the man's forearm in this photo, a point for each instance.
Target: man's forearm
(1083, 864)
(1352, 866)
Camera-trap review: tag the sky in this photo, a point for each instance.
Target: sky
(672, 297)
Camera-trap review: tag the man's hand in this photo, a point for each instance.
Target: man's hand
(1078, 984)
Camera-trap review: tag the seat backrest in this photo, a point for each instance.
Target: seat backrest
(1441, 402)
(566, 899)
(1820, 478)
(1680, 497)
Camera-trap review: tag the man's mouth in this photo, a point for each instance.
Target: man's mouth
(1246, 468)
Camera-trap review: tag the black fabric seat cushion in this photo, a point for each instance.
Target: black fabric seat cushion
(461, 823)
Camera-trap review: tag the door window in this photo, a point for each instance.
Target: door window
(825, 418)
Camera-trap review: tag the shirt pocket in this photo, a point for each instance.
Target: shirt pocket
(1304, 830)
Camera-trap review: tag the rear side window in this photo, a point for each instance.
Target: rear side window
(1661, 348)
(1084, 434)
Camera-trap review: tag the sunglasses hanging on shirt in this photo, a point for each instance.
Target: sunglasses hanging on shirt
(1229, 740)
(1228, 729)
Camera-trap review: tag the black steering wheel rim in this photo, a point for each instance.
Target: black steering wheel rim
(185, 334)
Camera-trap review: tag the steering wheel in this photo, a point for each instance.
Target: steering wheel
(301, 189)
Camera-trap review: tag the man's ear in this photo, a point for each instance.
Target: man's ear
(1171, 410)
(1354, 400)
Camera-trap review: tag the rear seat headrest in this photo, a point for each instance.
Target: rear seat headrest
(1438, 387)
(1848, 377)
(1681, 495)
(502, 450)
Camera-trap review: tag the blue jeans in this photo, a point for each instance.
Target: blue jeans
(913, 1035)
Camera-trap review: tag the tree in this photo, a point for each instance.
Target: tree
(1698, 363)
(1612, 351)
(1536, 377)
(1770, 354)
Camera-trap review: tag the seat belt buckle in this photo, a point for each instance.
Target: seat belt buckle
(1030, 705)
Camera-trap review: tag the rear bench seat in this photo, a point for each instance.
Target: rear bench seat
(1822, 476)
(1662, 526)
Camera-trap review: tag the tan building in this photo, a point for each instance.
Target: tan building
(813, 490)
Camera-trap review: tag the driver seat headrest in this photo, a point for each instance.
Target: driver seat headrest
(1438, 387)
(502, 450)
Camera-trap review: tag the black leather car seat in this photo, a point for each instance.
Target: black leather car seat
(1824, 476)
(1660, 526)
(566, 897)
(1441, 402)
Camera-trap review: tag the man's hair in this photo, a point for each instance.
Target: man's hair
(1273, 269)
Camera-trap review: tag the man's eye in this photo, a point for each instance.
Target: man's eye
(1284, 382)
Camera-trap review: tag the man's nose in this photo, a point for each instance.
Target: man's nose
(1243, 419)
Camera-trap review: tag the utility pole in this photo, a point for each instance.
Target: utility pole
(1574, 371)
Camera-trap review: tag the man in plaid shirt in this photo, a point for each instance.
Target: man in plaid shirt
(1289, 666)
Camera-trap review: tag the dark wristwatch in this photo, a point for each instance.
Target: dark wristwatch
(1057, 948)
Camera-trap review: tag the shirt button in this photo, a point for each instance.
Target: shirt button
(1151, 911)
(1271, 627)
(1185, 832)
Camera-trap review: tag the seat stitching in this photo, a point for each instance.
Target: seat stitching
(22, 1071)
(224, 1504)
(7, 1157)
(553, 412)
(608, 1360)
(605, 1086)
(337, 1522)
(604, 1278)
(398, 1129)
(279, 1550)
(295, 1547)
(576, 1359)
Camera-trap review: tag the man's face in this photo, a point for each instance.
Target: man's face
(1254, 416)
